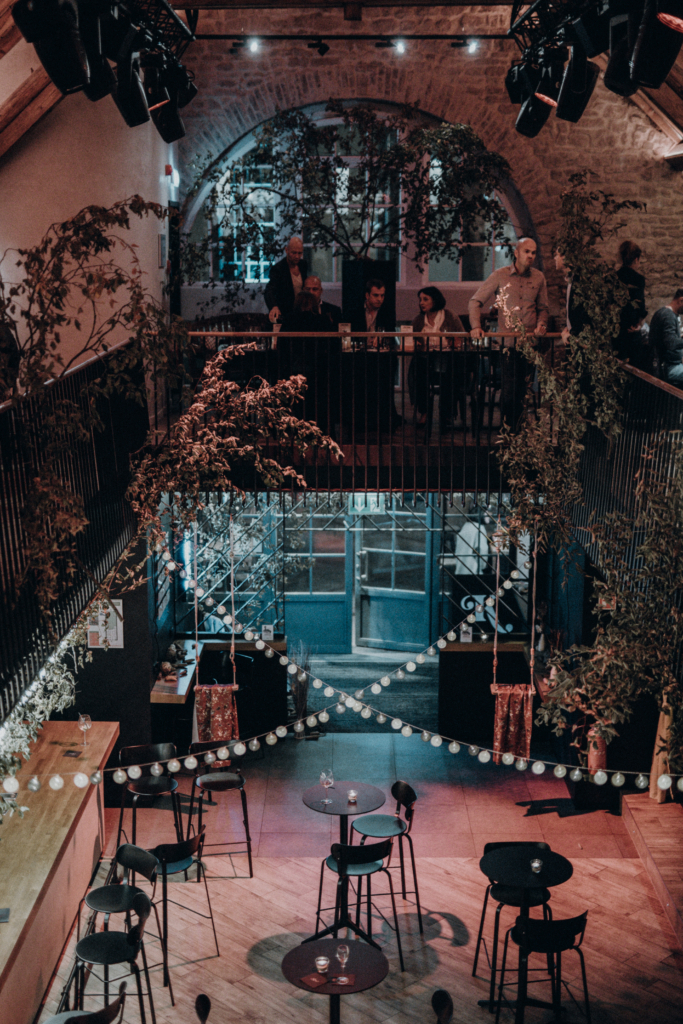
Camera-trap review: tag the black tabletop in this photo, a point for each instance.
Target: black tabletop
(369, 798)
(368, 965)
(511, 865)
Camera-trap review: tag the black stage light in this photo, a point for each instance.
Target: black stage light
(129, 94)
(670, 13)
(592, 30)
(156, 92)
(182, 80)
(514, 83)
(52, 27)
(548, 88)
(102, 78)
(168, 121)
(532, 116)
(622, 31)
(656, 49)
(578, 83)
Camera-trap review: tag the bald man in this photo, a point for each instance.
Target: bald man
(286, 281)
(527, 293)
(331, 312)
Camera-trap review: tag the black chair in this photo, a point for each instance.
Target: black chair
(507, 896)
(107, 949)
(221, 781)
(174, 858)
(107, 1015)
(149, 785)
(357, 862)
(119, 891)
(387, 826)
(552, 939)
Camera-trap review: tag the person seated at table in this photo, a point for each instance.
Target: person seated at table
(374, 372)
(429, 370)
(318, 359)
(442, 1005)
(333, 313)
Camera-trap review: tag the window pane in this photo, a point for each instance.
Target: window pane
(379, 569)
(298, 582)
(476, 263)
(321, 262)
(328, 575)
(329, 541)
(413, 541)
(410, 573)
(445, 270)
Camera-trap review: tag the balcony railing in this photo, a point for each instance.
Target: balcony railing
(410, 414)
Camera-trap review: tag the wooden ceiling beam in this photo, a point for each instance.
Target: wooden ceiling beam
(278, 5)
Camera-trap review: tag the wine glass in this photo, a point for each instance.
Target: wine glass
(84, 723)
(327, 780)
(342, 956)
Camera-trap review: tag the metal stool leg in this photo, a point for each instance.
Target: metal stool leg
(481, 931)
(246, 829)
(398, 933)
(417, 892)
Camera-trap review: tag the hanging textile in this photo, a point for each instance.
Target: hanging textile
(216, 713)
(513, 720)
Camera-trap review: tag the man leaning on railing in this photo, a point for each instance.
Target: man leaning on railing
(527, 294)
(665, 337)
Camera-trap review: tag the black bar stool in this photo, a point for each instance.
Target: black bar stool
(222, 781)
(107, 949)
(385, 826)
(552, 939)
(149, 785)
(107, 1015)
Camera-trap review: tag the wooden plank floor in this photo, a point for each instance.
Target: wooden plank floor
(635, 967)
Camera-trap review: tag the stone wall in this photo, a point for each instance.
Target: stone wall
(614, 139)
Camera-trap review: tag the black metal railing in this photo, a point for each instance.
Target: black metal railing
(409, 413)
(96, 469)
(653, 415)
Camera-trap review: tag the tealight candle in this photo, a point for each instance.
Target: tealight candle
(352, 795)
(321, 964)
(536, 865)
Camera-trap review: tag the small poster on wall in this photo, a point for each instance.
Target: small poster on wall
(105, 629)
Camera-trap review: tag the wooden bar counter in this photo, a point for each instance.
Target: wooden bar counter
(47, 860)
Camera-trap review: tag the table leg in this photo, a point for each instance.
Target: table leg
(335, 1008)
(344, 829)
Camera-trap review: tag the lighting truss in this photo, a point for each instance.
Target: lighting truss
(167, 31)
(544, 25)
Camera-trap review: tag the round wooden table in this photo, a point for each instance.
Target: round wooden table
(511, 865)
(369, 799)
(368, 965)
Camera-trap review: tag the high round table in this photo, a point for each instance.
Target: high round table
(369, 799)
(369, 965)
(511, 865)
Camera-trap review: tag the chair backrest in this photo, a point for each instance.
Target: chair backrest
(539, 936)
(202, 1007)
(403, 794)
(142, 907)
(170, 853)
(345, 855)
(146, 753)
(134, 858)
(106, 1015)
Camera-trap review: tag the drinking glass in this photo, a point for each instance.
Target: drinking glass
(84, 723)
(536, 865)
(342, 956)
(327, 780)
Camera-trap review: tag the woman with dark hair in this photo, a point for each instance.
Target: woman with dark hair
(318, 359)
(628, 343)
(429, 367)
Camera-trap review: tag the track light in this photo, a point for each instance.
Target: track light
(253, 45)
(621, 41)
(670, 13)
(102, 78)
(578, 83)
(156, 93)
(129, 94)
(514, 83)
(400, 46)
(473, 46)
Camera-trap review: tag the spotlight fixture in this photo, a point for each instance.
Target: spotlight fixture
(622, 29)
(532, 116)
(253, 45)
(578, 83)
(129, 94)
(52, 27)
(156, 93)
(400, 46)
(670, 13)
(514, 83)
(548, 88)
(656, 48)
(473, 46)
(320, 46)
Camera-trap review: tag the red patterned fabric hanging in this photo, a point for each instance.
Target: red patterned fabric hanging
(513, 720)
(216, 713)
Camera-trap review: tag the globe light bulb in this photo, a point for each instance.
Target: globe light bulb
(454, 747)
(484, 756)
(209, 757)
(35, 784)
(340, 709)
(299, 727)
(559, 771)
(95, 778)
(11, 785)
(281, 731)
(375, 688)
(311, 721)
(381, 719)
(323, 717)
(441, 643)
(223, 754)
(538, 767)
(576, 775)
(366, 713)
(156, 770)
(57, 782)
(173, 765)
(271, 739)
(406, 731)
(473, 750)
(618, 779)
(642, 781)
(508, 758)
(520, 764)
(317, 683)
(190, 762)
(396, 723)
(426, 736)
(134, 772)
(420, 659)
(239, 750)
(600, 777)
(385, 680)
(664, 781)
(81, 780)
(436, 741)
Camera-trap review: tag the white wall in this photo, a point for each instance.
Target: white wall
(81, 153)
